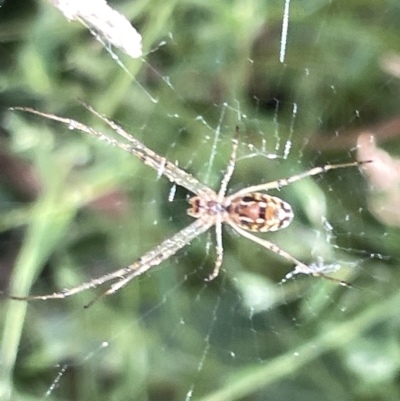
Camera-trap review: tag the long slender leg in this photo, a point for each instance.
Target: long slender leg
(231, 166)
(153, 258)
(219, 251)
(152, 159)
(301, 268)
(135, 147)
(286, 181)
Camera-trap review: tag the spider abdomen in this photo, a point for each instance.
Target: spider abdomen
(260, 212)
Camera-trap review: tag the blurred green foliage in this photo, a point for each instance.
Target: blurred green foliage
(73, 208)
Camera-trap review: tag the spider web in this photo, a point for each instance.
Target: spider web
(302, 84)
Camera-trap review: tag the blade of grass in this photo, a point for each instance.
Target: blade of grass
(50, 219)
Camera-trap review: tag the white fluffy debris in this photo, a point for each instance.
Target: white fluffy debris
(108, 25)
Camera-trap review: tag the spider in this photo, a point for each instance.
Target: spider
(248, 210)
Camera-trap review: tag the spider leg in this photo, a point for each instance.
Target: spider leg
(152, 258)
(123, 281)
(152, 159)
(231, 166)
(301, 268)
(219, 250)
(135, 147)
(75, 290)
(286, 181)
(72, 124)
(221, 193)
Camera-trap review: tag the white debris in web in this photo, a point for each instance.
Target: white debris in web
(319, 267)
(107, 24)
